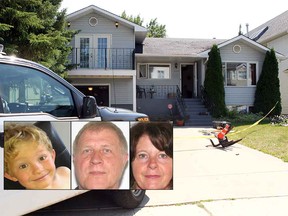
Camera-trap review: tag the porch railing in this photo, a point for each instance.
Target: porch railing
(99, 58)
(160, 91)
(180, 103)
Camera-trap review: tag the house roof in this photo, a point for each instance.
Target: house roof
(244, 39)
(177, 47)
(182, 47)
(270, 30)
(140, 32)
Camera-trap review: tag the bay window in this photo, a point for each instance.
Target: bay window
(240, 73)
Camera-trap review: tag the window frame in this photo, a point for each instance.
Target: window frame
(238, 76)
(147, 74)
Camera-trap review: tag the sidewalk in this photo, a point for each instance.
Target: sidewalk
(234, 181)
(276, 206)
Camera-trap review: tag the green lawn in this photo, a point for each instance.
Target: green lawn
(264, 137)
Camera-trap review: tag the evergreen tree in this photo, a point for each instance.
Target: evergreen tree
(36, 30)
(214, 83)
(268, 87)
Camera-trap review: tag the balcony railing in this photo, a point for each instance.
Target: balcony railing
(97, 58)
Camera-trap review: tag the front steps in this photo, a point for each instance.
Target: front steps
(199, 116)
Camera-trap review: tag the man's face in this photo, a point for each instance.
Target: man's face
(99, 160)
(33, 166)
(152, 169)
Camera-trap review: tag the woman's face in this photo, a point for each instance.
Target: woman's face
(152, 169)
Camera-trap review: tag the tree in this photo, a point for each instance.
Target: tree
(137, 20)
(154, 28)
(214, 84)
(268, 87)
(36, 30)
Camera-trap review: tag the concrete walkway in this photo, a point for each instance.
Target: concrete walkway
(211, 181)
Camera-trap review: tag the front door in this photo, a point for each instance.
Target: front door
(188, 81)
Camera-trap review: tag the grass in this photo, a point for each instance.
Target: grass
(265, 137)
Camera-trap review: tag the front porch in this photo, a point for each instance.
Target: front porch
(156, 101)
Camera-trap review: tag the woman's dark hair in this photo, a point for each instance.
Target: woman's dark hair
(160, 134)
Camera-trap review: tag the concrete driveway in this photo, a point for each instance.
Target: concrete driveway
(223, 182)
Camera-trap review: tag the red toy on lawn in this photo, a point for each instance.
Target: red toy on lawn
(222, 138)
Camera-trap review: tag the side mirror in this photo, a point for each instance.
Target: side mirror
(89, 108)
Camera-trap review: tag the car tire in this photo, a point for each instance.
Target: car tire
(128, 198)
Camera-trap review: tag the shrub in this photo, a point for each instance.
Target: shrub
(239, 118)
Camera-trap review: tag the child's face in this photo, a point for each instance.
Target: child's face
(34, 166)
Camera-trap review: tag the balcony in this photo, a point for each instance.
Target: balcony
(97, 58)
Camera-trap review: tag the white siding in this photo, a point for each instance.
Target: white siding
(122, 37)
(247, 54)
(239, 96)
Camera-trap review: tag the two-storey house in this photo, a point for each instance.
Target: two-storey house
(104, 56)
(115, 62)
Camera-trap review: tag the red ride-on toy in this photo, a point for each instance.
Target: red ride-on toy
(222, 138)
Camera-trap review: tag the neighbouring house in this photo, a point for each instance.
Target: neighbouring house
(274, 34)
(115, 62)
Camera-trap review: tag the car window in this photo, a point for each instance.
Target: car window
(25, 89)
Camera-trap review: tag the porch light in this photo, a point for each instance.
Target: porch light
(68, 24)
(90, 88)
(116, 24)
(176, 65)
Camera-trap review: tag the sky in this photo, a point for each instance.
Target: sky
(204, 19)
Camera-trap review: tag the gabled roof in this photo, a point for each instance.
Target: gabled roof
(270, 30)
(140, 32)
(244, 40)
(176, 47)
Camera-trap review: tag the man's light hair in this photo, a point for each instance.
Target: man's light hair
(100, 126)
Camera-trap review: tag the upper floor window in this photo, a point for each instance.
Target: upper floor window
(240, 73)
(153, 71)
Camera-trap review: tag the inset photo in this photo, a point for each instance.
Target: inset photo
(151, 155)
(100, 155)
(37, 155)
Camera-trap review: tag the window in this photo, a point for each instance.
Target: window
(142, 71)
(29, 90)
(84, 52)
(253, 75)
(153, 71)
(238, 74)
(102, 52)
(93, 51)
